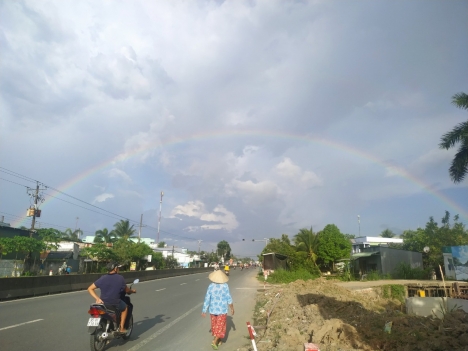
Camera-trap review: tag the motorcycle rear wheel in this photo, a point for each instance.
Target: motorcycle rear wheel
(95, 340)
(129, 329)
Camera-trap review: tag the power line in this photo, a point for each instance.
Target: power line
(14, 174)
(14, 182)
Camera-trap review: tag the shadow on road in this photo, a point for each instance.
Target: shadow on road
(146, 324)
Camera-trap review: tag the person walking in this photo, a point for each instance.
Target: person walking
(217, 300)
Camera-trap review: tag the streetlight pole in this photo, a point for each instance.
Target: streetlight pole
(159, 220)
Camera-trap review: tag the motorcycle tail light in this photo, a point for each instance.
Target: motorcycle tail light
(95, 311)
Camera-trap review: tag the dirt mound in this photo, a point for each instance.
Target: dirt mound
(335, 318)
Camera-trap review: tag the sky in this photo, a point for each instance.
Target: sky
(255, 118)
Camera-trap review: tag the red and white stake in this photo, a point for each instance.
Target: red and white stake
(252, 335)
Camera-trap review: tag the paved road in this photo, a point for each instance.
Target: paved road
(167, 315)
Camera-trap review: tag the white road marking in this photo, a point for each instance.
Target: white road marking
(248, 288)
(162, 330)
(161, 289)
(17, 325)
(183, 283)
(197, 280)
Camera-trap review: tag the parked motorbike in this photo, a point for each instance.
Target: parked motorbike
(105, 320)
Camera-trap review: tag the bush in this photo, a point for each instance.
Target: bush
(283, 276)
(404, 271)
(374, 275)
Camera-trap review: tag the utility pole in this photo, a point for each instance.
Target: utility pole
(140, 226)
(37, 198)
(159, 220)
(199, 241)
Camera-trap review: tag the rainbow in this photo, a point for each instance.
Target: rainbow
(171, 141)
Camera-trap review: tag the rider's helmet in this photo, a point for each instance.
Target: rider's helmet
(111, 266)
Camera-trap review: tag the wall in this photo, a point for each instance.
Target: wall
(430, 306)
(391, 258)
(11, 288)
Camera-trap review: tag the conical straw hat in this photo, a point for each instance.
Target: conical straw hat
(218, 277)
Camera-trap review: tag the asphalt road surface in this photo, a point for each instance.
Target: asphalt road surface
(167, 316)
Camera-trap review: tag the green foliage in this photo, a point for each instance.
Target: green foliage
(404, 271)
(51, 237)
(72, 235)
(170, 262)
(283, 276)
(435, 237)
(281, 246)
(22, 244)
(157, 260)
(100, 252)
(459, 134)
(104, 236)
(123, 230)
(387, 233)
(393, 291)
(332, 245)
(224, 250)
(5, 246)
(307, 241)
(374, 275)
(161, 244)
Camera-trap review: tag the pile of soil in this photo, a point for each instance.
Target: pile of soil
(335, 318)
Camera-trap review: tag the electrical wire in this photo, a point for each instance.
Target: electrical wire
(15, 183)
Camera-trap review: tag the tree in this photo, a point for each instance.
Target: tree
(161, 244)
(104, 236)
(123, 230)
(25, 245)
(51, 237)
(70, 235)
(138, 251)
(307, 241)
(333, 245)
(459, 134)
(435, 237)
(171, 262)
(5, 246)
(387, 233)
(224, 250)
(99, 252)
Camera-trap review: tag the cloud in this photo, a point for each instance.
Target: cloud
(294, 173)
(117, 173)
(103, 197)
(218, 218)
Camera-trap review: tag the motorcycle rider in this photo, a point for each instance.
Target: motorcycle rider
(226, 269)
(111, 285)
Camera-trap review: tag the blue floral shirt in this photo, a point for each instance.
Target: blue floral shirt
(217, 298)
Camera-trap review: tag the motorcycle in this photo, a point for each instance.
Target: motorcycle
(105, 320)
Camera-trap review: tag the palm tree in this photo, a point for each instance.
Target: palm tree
(306, 240)
(104, 236)
(387, 233)
(459, 134)
(75, 235)
(123, 230)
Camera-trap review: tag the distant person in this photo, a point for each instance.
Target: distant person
(217, 300)
(41, 268)
(68, 270)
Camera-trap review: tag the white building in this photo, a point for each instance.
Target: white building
(368, 241)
